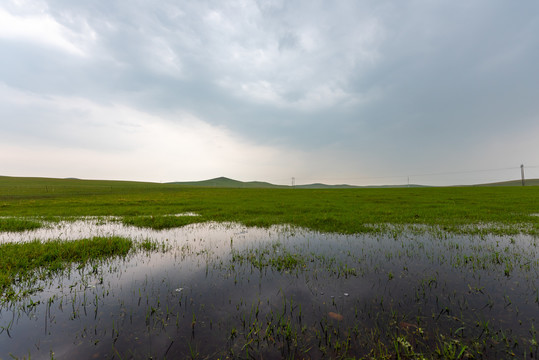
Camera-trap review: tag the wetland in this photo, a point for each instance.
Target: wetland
(209, 274)
(224, 290)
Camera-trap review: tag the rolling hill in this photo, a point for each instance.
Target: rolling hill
(220, 182)
(225, 182)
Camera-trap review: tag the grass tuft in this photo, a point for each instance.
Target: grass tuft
(23, 261)
(18, 224)
(161, 222)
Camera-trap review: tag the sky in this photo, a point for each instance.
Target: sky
(363, 92)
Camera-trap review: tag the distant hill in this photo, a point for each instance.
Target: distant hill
(325, 186)
(345, 186)
(224, 182)
(220, 182)
(529, 182)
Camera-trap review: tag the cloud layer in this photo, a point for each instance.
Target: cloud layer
(356, 91)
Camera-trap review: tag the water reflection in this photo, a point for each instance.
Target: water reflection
(217, 290)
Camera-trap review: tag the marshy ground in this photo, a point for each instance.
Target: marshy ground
(136, 270)
(228, 291)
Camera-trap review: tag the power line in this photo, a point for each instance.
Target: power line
(429, 174)
(408, 176)
(466, 172)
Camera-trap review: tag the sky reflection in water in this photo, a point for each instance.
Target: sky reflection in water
(217, 289)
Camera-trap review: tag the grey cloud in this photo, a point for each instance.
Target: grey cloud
(288, 41)
(353, 75)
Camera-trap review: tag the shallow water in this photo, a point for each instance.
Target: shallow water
(217, 290)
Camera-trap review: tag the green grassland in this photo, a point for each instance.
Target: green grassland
(502, 209)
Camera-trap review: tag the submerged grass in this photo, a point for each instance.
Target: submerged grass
(274, 256)
(24, 261)
(338, 297)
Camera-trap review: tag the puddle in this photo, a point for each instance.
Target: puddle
(227, 290)
(89, 227)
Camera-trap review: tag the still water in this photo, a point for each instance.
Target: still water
(224, 290)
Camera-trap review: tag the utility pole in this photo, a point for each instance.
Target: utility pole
(293, 181)
(522, 173)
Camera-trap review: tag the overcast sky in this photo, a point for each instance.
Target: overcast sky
(362, 92)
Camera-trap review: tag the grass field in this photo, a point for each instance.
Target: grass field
(454, 209)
